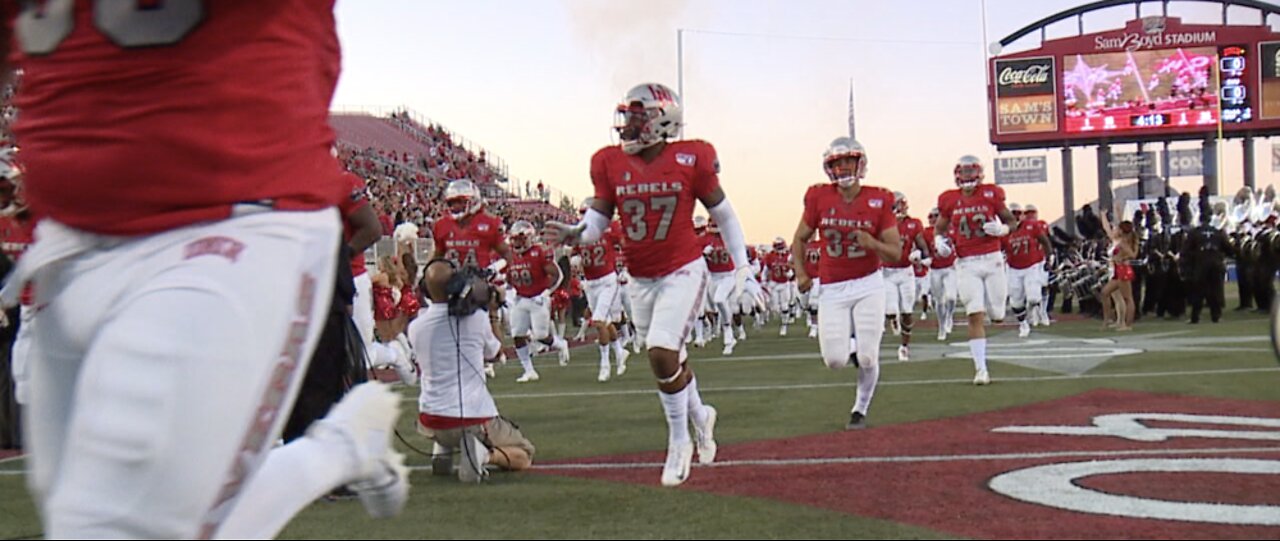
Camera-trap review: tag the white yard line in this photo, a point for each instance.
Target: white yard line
(805, 386)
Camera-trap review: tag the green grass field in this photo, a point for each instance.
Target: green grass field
(772, 388)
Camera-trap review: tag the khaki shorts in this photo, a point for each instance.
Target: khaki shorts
(497, 432)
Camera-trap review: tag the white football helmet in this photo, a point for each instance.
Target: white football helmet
(899, 204)
(1030, 211)
(649, 114)
(699, 223)
(779, 244)
(1015, 209)
(521, 236)
(839, 149)
(463, 198)
(968, 171)
(934, 214)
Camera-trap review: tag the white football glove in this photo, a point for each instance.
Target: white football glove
(926, 262)
(498, 266)
(995, 229)
(942, 246)
(747, 283)
(561, 233)
(706, 250)
(915, 257)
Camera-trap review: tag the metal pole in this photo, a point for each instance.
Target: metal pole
(1250, 169)
(1068, 191)
(680, 64)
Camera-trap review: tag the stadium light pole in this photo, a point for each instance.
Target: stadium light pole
(680, 64)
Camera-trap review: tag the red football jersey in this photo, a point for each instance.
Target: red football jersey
(939, 262)
(908, 229)
(921, 270)
(349, 206)
(968, 213)
(656, 201)
(812, 257)
(778, 265)
(1022, 246)
(600, 258)
(528, 271)
(718, 258)
(836, 220)
(473, 242)
(144, 121)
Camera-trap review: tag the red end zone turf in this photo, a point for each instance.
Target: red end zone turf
(937, 473)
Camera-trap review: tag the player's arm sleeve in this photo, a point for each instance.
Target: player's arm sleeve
(735, 238)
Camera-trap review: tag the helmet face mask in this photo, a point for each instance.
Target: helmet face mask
(649, 114)
(462, 198)
(968, 172)
(521, 236)
(845, 162)
(899, 204)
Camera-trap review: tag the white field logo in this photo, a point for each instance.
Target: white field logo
(1055, 485)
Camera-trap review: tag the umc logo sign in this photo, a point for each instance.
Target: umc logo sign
(1022, 170)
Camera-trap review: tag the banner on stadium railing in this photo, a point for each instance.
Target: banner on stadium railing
(1127, 165)
(1186, 163)
(1022, 170)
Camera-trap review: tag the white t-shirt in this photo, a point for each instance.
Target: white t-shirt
(433, 336)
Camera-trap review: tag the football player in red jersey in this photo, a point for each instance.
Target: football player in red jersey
(777, 264)
(1025, 250)
(979, 218)
(17, 229)
(534, 275)
(179, 156)
(655, 182)
(900, 278)
(466, 234)
(599, 262)
(809, 299)
(858, 229)
(943, 290)
(1041, 316)
(722, 286)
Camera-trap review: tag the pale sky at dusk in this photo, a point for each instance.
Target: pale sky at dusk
(536, 83)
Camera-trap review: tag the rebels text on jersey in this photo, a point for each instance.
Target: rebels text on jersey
(968, 213)
(656, 202)
(836, 222)
(812, 257)
(148, 121)
(470, 243)
(939, 262)
(718, 258)
(1023, 247)
(600, 259)
(908, 230)
(778, 265)
(528, 271)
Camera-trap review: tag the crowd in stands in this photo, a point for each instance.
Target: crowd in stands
(409, 187)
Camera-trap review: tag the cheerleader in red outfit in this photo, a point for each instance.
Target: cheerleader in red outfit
(1119, 290)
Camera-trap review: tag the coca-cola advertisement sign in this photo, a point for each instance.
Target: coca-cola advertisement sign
(1024, 77)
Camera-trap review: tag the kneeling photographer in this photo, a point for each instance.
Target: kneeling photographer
(452, 340)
